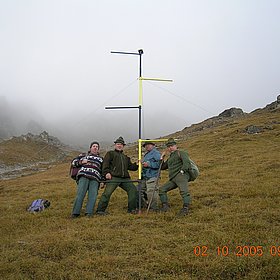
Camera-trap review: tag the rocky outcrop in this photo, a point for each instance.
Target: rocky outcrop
(274, 105)
(253, 129)
(231, 113)
(35, 153)
(226, 116)
(42, 137)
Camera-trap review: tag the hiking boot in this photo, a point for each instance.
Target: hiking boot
(88, 215)
(74, 216)
(101, 213)
(184, 211)
(165, 207)
(133, 212)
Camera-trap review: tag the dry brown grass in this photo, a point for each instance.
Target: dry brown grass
(235, 203)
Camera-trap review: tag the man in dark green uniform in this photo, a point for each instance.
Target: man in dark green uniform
(115, 169)
(178, 165)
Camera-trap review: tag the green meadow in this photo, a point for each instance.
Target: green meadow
(232, 231)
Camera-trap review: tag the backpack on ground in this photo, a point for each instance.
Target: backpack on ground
(193, 171)
(38, 205)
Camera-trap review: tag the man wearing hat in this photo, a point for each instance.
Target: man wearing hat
(115, 168)
(88, 179)
(178, 165)
(151, 163)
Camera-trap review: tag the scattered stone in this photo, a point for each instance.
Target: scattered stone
(252, 129)
(268, 127)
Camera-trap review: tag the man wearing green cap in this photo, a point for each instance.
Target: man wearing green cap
(115, 169)
(178, 165)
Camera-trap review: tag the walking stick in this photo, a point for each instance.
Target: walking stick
(154, 190)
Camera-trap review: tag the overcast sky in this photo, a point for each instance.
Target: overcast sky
(56, 61)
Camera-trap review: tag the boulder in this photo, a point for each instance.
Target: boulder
(253, 129)
(232, 112)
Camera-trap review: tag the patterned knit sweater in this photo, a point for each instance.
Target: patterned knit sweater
(92, 169)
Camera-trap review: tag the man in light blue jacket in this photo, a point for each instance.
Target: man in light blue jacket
(151, 164)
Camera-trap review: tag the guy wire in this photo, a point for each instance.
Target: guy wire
(182, 98)
(93, 111)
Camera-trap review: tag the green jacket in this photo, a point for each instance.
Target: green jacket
(117, 164)
(177, 161)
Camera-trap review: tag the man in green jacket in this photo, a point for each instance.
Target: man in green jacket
(178, 165)
(115, 169)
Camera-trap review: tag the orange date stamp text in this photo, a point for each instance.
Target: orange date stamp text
(238, 251)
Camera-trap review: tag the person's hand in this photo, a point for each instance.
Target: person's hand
(108, 176)
(163, 155)
(84, 161)
(102, 186)
(145, 164)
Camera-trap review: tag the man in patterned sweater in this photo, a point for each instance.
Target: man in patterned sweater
(88, 179)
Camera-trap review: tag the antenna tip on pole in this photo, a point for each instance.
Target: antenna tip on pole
(140, 51)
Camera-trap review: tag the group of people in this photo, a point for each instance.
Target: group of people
(113, 171)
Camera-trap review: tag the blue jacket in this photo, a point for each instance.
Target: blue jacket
(153, 159)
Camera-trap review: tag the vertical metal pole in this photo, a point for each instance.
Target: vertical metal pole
(140, 131)
(140, 63)
(140, 52)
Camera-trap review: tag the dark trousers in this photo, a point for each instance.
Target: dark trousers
(179, 181)
(110, 188)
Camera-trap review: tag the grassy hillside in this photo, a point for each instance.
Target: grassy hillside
(23, 150)
(25, 155)
(232, 231)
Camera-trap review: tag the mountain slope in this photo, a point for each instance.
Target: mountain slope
(29, 153)
(232, 231)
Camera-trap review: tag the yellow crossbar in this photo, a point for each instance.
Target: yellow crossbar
(153, 140)
(155, 79)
